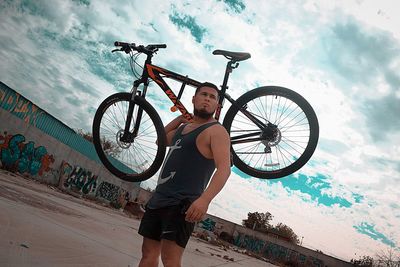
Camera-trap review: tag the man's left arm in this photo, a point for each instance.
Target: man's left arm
(220, 147)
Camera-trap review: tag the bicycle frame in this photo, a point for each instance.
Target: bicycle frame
(158, 74)
(273, 130)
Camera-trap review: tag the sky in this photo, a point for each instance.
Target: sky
(342, 56)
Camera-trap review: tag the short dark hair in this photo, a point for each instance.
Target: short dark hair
(207, 84)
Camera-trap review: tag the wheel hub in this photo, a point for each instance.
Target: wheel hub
(271, 136)
(122, 144)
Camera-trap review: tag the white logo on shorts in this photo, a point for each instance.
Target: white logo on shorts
(167, 232)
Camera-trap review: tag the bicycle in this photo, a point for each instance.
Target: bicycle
(274, 131)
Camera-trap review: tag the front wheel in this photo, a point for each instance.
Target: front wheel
(135, 155)
(274, 132)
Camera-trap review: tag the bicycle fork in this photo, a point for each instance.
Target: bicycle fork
(127, 136)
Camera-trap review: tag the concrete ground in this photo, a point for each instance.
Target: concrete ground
(40, 226)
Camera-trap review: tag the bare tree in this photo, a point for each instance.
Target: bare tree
(388, 258)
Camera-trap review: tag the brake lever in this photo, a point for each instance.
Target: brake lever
(125, 49)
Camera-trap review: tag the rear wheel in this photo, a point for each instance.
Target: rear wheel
(284, 145)
(130, 156)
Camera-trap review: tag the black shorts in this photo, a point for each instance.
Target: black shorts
(166, 223)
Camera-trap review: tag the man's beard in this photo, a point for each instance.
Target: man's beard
(202, 113)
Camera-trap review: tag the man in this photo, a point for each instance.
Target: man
(181, 197)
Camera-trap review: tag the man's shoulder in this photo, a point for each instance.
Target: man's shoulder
(217, 129)
(215, 125)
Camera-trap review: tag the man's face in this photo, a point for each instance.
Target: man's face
(205, 102)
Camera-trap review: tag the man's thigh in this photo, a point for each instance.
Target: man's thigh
(171, 253)
(151, 225)
(176, 228)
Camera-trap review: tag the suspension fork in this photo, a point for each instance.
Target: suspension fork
(139, 115)
(127, 135)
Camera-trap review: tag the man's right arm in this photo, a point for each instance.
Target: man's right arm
(171, 128)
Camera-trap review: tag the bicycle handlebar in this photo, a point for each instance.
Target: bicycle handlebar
(149, 49)
(158, 45)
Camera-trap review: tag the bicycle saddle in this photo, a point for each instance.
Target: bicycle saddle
(236, 56)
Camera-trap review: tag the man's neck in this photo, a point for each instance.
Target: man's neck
(198, 120)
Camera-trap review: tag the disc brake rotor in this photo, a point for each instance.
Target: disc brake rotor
(120, 143)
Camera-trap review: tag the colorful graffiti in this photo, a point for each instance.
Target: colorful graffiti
(83, 181)
(207, 224)
(18, 156)
(275, 251)
(77, 179)
(19, 105)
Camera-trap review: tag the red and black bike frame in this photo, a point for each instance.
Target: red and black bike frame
(157, 74)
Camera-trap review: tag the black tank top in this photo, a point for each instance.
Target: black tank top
(185, 173)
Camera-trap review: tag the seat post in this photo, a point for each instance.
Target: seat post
(224, 87)
(228, 71)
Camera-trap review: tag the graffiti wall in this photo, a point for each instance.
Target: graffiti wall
(20, 155)
(113, 194)
(19, 106)
(216, 225)
(269, 247)
(274, 251)
(207, 224)
(36, 144)
(77, 179)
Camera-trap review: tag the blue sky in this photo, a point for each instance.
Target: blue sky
(342, 56)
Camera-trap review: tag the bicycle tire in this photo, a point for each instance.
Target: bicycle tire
(121, 161)
(279, 164)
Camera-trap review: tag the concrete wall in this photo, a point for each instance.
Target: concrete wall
(268, 246)
(27, 150)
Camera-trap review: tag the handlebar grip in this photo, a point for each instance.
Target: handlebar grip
(120, 43)
(152, 46)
